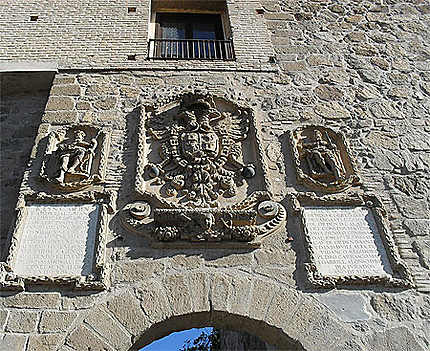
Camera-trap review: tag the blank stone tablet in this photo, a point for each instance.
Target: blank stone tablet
(346, 242)
(57, 239)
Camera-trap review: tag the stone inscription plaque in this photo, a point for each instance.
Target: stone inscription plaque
(57, 239)
(346, 242)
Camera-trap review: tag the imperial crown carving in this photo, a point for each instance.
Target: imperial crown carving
(201, 174)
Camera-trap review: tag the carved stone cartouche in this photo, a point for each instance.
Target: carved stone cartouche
(322, 159)
(202, 160)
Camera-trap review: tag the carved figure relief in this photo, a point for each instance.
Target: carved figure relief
(322, 159)
(75, 156)
(200, 174)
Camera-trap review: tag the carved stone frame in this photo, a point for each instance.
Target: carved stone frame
(103, 147)
(153, 200)
(401, 275)
(97, 280)
(304, 179)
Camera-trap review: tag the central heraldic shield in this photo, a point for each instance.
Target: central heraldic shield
(200, 173)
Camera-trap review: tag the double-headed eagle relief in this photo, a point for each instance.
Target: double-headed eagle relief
(322, 159)
(75, 157)
(200, 173)
(200, 151)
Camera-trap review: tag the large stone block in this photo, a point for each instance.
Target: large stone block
(154, 300)
(134, 271)
(22, 321)
(126, 308)
(240, 295)
(282, 307)
(220, 290)
(262, 293)
(347, 307)
(83, 338)
(106, 103)
(109, 328)
(308, 311)
(48, 342)
(66, 90)
(33, 300)
(101, 90)
(60, 103)
(77, 302)
(13, 342)
(58, 80)
(324, 334)
(199, 286)
(56, 321)
(178, 293)
(60, 117)
(3, 317)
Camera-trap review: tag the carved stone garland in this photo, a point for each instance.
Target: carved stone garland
(200, 169)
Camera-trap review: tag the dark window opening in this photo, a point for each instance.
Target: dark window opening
(189, 26)
(190, 36)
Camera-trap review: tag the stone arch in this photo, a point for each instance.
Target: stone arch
(219, 320)
(134, 316)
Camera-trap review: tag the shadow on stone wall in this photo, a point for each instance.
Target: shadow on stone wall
(23, 96)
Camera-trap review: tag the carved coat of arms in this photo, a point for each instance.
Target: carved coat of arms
(198, 167)
(200, 152)
(322, 159)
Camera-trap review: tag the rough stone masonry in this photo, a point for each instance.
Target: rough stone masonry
(357, 71)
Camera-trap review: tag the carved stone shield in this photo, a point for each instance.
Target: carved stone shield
(323, 159)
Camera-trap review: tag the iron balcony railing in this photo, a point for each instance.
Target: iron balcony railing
(191, 49)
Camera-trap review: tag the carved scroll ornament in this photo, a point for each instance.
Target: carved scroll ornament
(245, 222)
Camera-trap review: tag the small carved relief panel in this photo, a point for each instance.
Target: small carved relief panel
(201, 171)
(322, 158)
(348, 242)
(75, 156)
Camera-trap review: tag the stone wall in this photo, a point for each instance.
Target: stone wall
(23, 98)
(102, 34)
(359, 67)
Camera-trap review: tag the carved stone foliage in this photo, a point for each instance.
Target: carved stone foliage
(322, 158)
(200, 173)
(348, 241)
(89, 262)
(75, 156)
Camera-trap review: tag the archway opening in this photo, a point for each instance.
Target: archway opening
(209, 339)
(233, 326)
